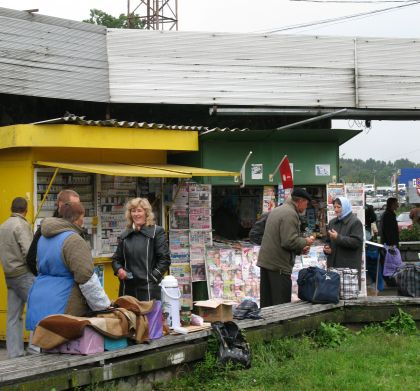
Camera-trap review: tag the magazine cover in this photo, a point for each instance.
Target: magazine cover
(355, 194)
(179, 239)
(201, 238)
(197, 254)
(180, 195)
(198, 272)
(182, 272)
(200, 221)
(269, 199)
(199, 195)
(179, 218)
(212, 258)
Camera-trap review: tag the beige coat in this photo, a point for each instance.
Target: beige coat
(15, 239)
(281, 241)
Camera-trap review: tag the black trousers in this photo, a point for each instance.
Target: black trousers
(275, 288)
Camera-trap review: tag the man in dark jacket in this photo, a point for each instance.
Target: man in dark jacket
(256, 233)
(389, 226)
(390, 234)
(281, 243)
(63, 197)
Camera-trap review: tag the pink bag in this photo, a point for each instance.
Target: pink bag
(91, 342)
(155, 320)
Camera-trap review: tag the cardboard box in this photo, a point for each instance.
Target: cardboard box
(215, 310)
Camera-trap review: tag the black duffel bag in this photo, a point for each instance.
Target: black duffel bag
(318, 286)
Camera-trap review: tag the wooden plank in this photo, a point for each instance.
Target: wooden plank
(46, 362)
(275, 323)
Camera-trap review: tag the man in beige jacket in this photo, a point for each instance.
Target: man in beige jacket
(15, 239)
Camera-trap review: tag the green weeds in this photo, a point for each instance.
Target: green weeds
(382, 357)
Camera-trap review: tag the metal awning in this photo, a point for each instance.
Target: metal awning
(139, 170)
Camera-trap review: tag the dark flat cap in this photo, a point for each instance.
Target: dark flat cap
(298, 192)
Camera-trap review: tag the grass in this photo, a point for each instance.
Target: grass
(381, 357)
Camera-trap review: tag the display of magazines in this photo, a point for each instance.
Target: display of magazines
(232, 273)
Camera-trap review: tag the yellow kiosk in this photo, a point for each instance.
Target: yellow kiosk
(106, 162)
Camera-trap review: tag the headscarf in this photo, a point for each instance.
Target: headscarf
(345, 207)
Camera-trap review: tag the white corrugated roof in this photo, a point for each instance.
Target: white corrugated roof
(262, 70)
(52, 57)
(56, 58)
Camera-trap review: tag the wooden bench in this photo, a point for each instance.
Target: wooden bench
(62, 371)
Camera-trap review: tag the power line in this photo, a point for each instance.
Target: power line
(341, 18)
(355, 1)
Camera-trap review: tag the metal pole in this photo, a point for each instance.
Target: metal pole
(305, 121)
(45, 195)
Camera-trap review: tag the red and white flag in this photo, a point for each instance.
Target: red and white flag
(286, 173)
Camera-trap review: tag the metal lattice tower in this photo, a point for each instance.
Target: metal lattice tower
(156, 14)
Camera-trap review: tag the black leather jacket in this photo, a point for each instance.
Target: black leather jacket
(145, 254)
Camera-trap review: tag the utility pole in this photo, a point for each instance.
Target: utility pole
(156, 14)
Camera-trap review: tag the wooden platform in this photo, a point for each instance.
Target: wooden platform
(147, 361)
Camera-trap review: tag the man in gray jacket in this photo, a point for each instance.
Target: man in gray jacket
(15, 239)
(281, 243)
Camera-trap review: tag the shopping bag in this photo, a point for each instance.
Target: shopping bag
(318, 286)
(349, 282)
(233, 347)
(408, 280)
(392, 260)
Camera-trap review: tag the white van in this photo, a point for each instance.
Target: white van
(369, 188)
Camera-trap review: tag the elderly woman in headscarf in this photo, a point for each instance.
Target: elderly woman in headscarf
(345, 237)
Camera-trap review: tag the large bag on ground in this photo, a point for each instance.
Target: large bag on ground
(408, 280)
(349, 282)
(318, 286)
(233, 348)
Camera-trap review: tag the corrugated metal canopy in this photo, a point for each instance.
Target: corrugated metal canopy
(113, 123)
(146, 171)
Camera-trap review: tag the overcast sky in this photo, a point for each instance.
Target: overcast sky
(385, 140)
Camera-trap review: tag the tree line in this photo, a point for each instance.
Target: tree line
(372, 171)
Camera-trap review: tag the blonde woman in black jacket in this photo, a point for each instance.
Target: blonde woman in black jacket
(142, 256)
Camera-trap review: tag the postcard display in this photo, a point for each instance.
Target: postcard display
(316, 257)
(190, 231)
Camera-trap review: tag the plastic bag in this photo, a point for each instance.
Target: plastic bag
(392, 260)
(233, 348)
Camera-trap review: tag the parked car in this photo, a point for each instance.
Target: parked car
(404, 221)
(378, 203)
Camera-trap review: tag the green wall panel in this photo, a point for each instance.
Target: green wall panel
(304, 156)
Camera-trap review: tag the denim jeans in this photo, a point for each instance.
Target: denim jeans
(17, 294)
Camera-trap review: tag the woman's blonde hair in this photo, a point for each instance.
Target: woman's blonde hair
(142, 203)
